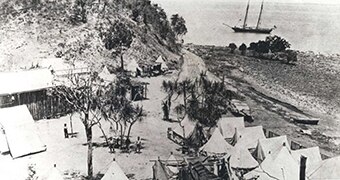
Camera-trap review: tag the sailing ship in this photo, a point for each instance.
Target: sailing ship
(256, 29)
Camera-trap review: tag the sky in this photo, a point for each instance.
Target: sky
(274, 1)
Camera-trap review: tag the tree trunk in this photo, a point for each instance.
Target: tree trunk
(130, 127)
(121, 135)
(121, 62)
(169, 106)
(185, 97)
(105, 137)
(88, 130)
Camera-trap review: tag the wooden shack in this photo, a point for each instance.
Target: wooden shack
(31, 88)
(138, 90)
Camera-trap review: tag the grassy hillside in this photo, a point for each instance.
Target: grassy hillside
(36, 29)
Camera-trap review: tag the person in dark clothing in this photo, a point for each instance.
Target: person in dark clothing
(127, 143)
(65, 131)
(138, 144)
(111, 145)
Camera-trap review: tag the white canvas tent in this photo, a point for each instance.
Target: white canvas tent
(249, 136)
(313, 156)
(270, 146)
(25, 81)
(114, 172)
(217, 145)
(281, 166)
(242, 159)
(188, 126)
(106, 75)
(132, 67)
(160, 60)
(227, 126)
(20, 131)
(172, 160)
(326, 169)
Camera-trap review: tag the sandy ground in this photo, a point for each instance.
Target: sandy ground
(269, 108)
(70, 155)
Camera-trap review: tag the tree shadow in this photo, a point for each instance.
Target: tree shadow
(98, 176)
(130, 176)
(97, 144)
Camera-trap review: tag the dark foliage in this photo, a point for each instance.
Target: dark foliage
(117, 36)
(178, 25)
(152, 15)
(277, 44)
(232, 47)
(79, 12)
(243, 48)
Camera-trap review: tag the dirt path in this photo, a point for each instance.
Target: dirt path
(193, 66)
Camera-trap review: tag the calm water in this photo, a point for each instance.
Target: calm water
(314, 27)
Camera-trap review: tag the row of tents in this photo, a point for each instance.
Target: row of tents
(250, 155)
(136, 69)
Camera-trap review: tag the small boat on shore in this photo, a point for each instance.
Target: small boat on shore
(247, 29)
(239, 108)
(306, 120)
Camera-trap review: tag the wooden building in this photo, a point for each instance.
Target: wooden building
(31, 88)
(138, 90)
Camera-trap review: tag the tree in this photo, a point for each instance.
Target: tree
(79, 12)
(178, 25)
(85, 96)
(119, 109)
(119, 37)
(232, 47)
(208, 101)
(252, 46)
(291, 56)
(277, 44)
(203, 100)
(262, 47)
(243, 48)
(170, 88)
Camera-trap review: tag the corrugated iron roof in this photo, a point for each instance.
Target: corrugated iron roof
(25, 81)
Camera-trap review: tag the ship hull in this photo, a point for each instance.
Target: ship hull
(252, 30)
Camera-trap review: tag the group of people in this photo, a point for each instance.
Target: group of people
(126, 145)
(115, 141)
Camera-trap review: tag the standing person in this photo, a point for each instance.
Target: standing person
(127, 143)
(65, 131)
(111, 145)
(138, 144)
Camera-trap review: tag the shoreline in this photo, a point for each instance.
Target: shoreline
(321, 135)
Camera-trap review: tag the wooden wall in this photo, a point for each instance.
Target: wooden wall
(40, 104)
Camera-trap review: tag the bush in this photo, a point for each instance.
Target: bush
(232, 47)
(243, 48)
(277, 44)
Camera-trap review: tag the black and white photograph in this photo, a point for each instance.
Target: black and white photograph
(169, 90)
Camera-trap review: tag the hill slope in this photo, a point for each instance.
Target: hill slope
(33, 30)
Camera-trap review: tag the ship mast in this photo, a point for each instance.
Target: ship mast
(246, 17)
(259, 20)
